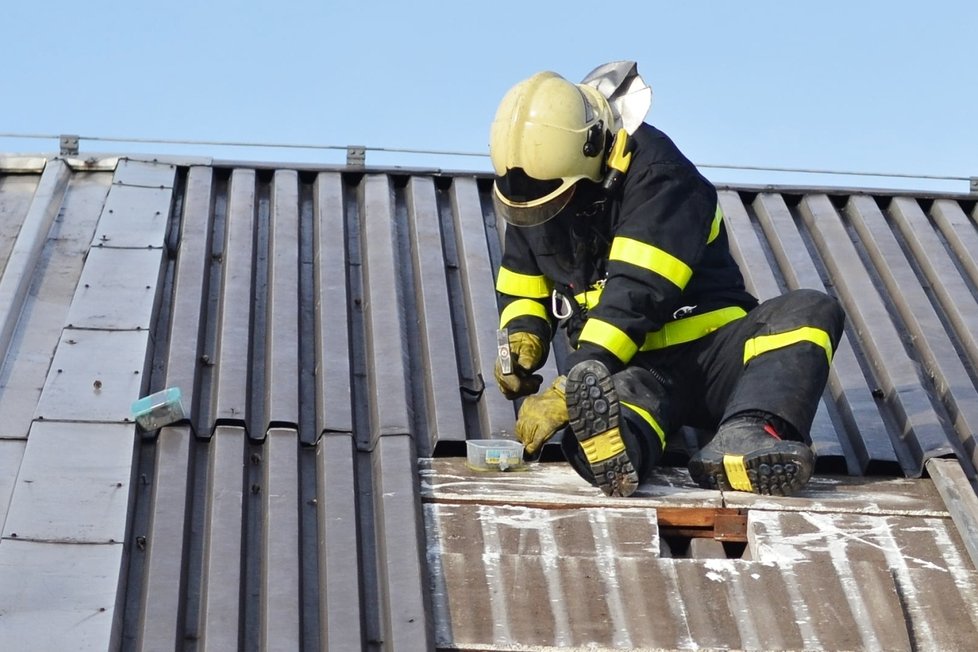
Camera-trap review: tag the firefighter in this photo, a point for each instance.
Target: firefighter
(615, 236)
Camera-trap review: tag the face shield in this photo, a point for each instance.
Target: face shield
(525, 201)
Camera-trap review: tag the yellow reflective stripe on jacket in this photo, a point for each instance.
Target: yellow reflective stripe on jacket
(522, 308)
(652, 258)
(715, 228)
(610, 337)
(691, 328)
(590, 298)
(523, 285)
(648, 418)
(764, 343)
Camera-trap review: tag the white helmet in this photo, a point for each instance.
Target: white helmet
(548, 134)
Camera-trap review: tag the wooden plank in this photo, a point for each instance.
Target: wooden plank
(556, 485)
(960, 499)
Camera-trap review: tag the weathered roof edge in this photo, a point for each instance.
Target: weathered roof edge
(28, 162)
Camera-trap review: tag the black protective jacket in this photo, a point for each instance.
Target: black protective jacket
(653, 253)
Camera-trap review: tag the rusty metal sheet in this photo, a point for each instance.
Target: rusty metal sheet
(920, 434)
(233, 352)
(95, 376)
(399, 531)
(223, 542)
(146, 173)
(333, 401)
(58, 596)
(875, 559)
(134, 216)
(385, 342)
(544, 577)
(340, 582)
(74, 484)
(281, 579)
(282, 324)
(437, 355)
(940, 618)
(165, 536)
(117, 289)
(193, 263)
(11, 454)
(496, 413)
(951, 381)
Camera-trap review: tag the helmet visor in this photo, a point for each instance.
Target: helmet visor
(532, 215)
(525, 201)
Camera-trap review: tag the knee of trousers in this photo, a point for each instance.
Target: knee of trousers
(645, 405)
(807, 307)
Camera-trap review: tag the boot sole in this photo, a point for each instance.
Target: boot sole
(779, 470)
(593, 412)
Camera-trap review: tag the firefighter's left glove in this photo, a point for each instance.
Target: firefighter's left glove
(541, 416)
(526, 352)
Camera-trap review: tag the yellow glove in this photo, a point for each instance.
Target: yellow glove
(542, 416)
(526, 352)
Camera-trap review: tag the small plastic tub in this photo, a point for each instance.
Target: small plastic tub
(494, 454)
(160, 409)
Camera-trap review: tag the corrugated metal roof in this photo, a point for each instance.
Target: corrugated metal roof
(330, 327)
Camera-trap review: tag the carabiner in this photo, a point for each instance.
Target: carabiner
(558, 301)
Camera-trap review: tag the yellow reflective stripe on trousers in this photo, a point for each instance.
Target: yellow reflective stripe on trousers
(522, 308)
(610, 337)
(715, 228)
(651, 258)
(603, 446)
(523, 285)
(737, 472)
(764, 343)
(648, 418)
(691, 328)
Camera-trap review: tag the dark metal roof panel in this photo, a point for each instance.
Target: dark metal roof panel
(282, 316)
(330, 327)
(383, 309)
(235, 304)
(334, 408)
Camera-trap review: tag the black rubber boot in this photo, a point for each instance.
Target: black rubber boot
(594, 412)
(748, 454)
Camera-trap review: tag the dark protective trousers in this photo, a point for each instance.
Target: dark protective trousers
(705, 382)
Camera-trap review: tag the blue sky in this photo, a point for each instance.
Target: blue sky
(853, 86)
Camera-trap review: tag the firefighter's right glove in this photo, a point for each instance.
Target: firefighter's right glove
(541, 416)
(526, 352)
